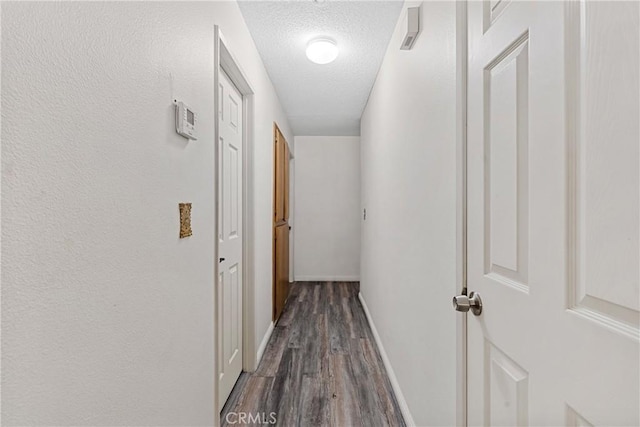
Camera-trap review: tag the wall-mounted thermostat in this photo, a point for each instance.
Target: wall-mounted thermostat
(186, 120)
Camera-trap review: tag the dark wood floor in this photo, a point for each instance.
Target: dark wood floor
(320, 368)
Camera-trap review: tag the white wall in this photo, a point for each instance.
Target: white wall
(327, 208)
(107, 317)
(408, 145)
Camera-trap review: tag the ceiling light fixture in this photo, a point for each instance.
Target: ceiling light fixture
(322, 50)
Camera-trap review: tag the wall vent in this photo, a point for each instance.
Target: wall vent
(413, 28)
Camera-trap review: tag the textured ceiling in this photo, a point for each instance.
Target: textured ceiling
(322, 99)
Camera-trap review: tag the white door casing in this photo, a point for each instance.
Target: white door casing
(553, 226)
(230, 208)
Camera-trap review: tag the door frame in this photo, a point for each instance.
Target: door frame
(462, 42)
(292, 207)
(225, 59)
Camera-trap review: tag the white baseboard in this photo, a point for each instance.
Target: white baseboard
(404, 408)
(327, 278)
(263, 344)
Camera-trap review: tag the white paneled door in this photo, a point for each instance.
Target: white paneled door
(553, 213)
(229, 237)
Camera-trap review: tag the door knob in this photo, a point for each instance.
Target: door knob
(221, 259)
(463, 303)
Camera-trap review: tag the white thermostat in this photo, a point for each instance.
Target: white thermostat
(186, 120)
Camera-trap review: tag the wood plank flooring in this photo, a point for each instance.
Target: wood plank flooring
(320, 368)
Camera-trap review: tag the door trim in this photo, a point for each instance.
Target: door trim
(461, 207)
(225, 59)
(274, 191)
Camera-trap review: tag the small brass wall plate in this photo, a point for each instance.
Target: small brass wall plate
(185, 220)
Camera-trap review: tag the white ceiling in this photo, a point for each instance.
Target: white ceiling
(322, 99)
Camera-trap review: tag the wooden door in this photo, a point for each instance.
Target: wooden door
(280, 223)
(230, 207)
(281, 279)
(553, 213)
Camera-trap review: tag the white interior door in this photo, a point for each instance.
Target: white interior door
(553, 216)
(229, 238)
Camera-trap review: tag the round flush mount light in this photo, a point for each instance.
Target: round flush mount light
(322, 50)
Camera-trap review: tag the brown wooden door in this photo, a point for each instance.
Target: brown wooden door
(281, 269)
(280, 223)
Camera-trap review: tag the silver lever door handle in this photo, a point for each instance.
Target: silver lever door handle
(465, 303)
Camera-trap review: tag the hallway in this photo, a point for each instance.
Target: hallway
(320, 213)
(321, 366)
